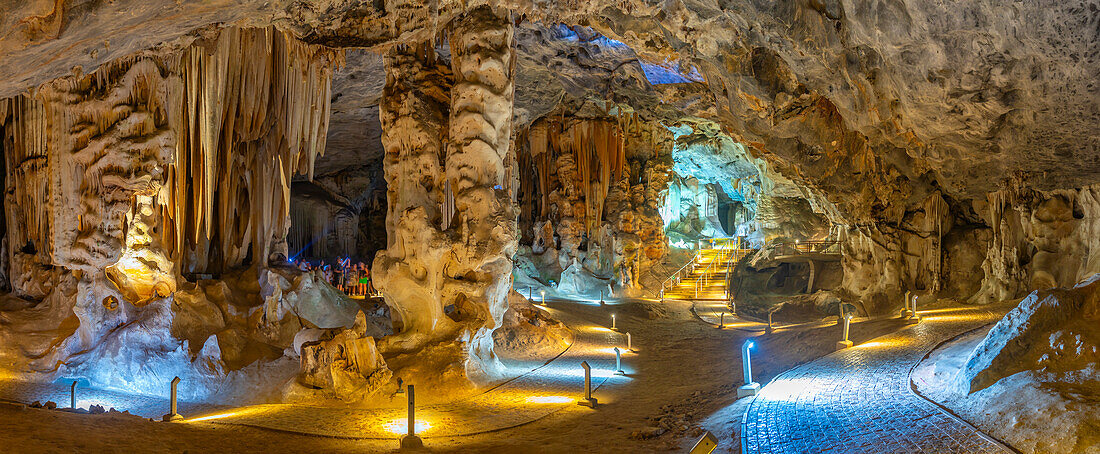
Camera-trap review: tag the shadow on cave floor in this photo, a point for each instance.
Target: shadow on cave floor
(681, 380)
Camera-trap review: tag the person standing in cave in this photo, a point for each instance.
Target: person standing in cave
(364, 279)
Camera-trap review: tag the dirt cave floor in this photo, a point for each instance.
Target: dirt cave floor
(682, 381)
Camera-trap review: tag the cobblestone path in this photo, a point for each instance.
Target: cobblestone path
(859, 400)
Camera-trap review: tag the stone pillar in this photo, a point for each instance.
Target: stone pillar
(479, 269)
(462, 262)
(409, 274)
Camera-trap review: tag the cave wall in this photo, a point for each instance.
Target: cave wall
(131, 182)
(1040, 239)
(590, 190)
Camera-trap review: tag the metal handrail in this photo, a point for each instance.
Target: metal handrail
(807, 247)
(676, 275)
(726, 254)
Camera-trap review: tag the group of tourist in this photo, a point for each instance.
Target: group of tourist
(351, 278)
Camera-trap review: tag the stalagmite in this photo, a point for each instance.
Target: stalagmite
(479, 270)
(413, 114)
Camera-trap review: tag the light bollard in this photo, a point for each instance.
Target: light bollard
(629, 343)
(619, 362)
(72, 396)
(721, 320)
(843, 344)
(410, 440)
(601, 298)
(913, 318)
(906, 312)
(588, 400)
(613, 327)
(173, 415)
(750, 388)
(769, 329)
(543, 293)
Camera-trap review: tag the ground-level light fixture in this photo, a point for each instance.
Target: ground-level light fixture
(410, 440)
(613, 327)
(588, 400)
(750, 388)
(845, 343)
(173, 415)
(619, 362)
(913, 318)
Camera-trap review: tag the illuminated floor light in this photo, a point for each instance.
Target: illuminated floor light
(213, 417)
(400, 426)
(547, 400)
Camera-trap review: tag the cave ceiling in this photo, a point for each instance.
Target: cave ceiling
(869, 106)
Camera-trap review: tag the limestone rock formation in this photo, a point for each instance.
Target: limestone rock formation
(345, 362)
(1051, 331)
(155, 148)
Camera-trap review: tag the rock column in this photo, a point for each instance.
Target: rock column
(479, 271)
(409, 272)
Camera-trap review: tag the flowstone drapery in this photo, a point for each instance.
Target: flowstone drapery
(166, 166)
(447, 269)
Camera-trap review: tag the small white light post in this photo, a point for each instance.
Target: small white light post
(613, 327)
(410, 440)
(543, 293)
(619, 362)
(906, 313)
(750, 388)
(173, 415)
(914, 318)
(72, 396)
(629, 344)
(721, 320)
(769, 329)
(588, 400)
(601, 298)
(843, 344)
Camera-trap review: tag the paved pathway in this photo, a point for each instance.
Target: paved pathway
(859, 400)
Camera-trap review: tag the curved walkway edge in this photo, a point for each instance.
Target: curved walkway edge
(860, 400)
(914, 390)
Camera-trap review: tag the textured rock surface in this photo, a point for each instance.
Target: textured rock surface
(950, 147)
(1053, 331)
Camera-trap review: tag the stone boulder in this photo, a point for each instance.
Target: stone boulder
(344, 362)
(1055, 330)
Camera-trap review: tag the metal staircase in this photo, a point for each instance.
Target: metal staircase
(706, 276)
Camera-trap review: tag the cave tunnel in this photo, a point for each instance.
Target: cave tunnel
(349, 226)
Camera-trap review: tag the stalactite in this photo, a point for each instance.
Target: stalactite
(28, 216)
(211, 135)
(255, 111)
